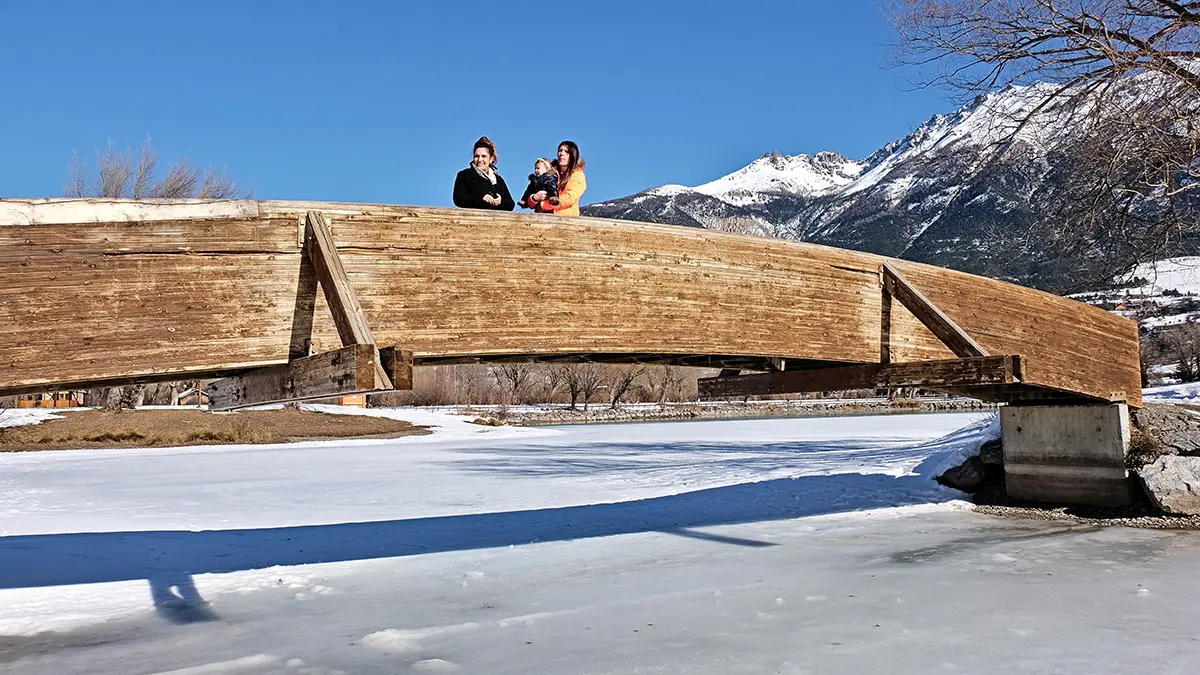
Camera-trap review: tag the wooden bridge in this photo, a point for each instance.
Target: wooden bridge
(98, 292)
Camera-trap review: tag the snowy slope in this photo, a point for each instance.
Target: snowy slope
(1181, 275)
(986, 121)
(1164, 299)
(774, 173)
(1164, 293)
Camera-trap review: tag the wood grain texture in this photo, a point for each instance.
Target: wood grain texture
(343, 304)
(951, 334)
(90, 301)
(350, 370)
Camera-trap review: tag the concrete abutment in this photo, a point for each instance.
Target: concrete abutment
(1066, 454)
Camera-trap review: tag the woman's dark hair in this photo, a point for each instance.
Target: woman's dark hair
(485, 142)
(574, 162)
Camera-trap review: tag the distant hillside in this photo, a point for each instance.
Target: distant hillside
(952, 193)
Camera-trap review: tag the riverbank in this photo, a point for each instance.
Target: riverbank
(556, 415)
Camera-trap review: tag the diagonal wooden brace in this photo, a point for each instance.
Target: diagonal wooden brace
(358, 367)
(950, 333)
(348, 316)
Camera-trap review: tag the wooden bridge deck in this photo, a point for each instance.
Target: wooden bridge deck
(110, 291)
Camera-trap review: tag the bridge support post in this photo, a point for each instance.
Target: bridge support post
(1066, 454)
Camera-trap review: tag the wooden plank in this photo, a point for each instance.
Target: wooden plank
(398, 364)
(92, 210)
(953, 336)
(885, 321)
(349, 370)
(1023, 393)
(348, 314)
(979, 370)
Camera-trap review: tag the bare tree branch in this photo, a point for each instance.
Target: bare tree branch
(1117, 82)
(115, 172)
(77, 183)
(179, 183)
(133, 174)
(217, 185)
(143, 183)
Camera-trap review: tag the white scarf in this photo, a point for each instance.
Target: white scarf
(490, 175)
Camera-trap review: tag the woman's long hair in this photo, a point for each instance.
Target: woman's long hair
(574, 161)
(485, 142)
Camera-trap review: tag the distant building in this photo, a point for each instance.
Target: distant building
(54, 399)
(353, 400)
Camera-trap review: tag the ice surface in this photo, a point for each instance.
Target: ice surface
(769, 546)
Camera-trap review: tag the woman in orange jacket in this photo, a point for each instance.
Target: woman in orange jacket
(571, 183)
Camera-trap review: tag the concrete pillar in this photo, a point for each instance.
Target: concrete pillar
(1066, 454)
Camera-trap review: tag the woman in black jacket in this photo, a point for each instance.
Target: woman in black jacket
(480, 186)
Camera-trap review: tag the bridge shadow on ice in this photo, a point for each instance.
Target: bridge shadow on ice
(168, 558)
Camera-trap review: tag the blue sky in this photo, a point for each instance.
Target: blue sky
(381, 101)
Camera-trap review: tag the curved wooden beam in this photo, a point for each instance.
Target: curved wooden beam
(95, 291)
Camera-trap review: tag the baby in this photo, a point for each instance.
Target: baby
(543, 178)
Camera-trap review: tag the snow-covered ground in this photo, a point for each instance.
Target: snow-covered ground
(768, 546)
(1165, 298)
(11, 417)
(1187, 392)
(1173, 274)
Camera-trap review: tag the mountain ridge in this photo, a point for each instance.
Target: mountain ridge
(959, 191)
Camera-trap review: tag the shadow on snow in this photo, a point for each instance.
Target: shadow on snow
(168, 558)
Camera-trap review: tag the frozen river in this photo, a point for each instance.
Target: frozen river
(770, 546)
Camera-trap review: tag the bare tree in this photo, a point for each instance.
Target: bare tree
(216, 185)
(513, 379)
(472, 383)
(116, 170)
(181, 181)
(550, 381)
(570, 382)
(621, 378)
(122, 174)
(131, 396)
(77, 183)
(582, 381)
(438, 385)
(1185, 346)
(1121, 75)
(664, 382)
(1148, 350)
(143, 181)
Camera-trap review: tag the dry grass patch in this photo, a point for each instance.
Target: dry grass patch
(166, 428)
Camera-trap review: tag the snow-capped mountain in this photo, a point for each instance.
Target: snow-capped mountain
(776, 174)
(940, 195)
